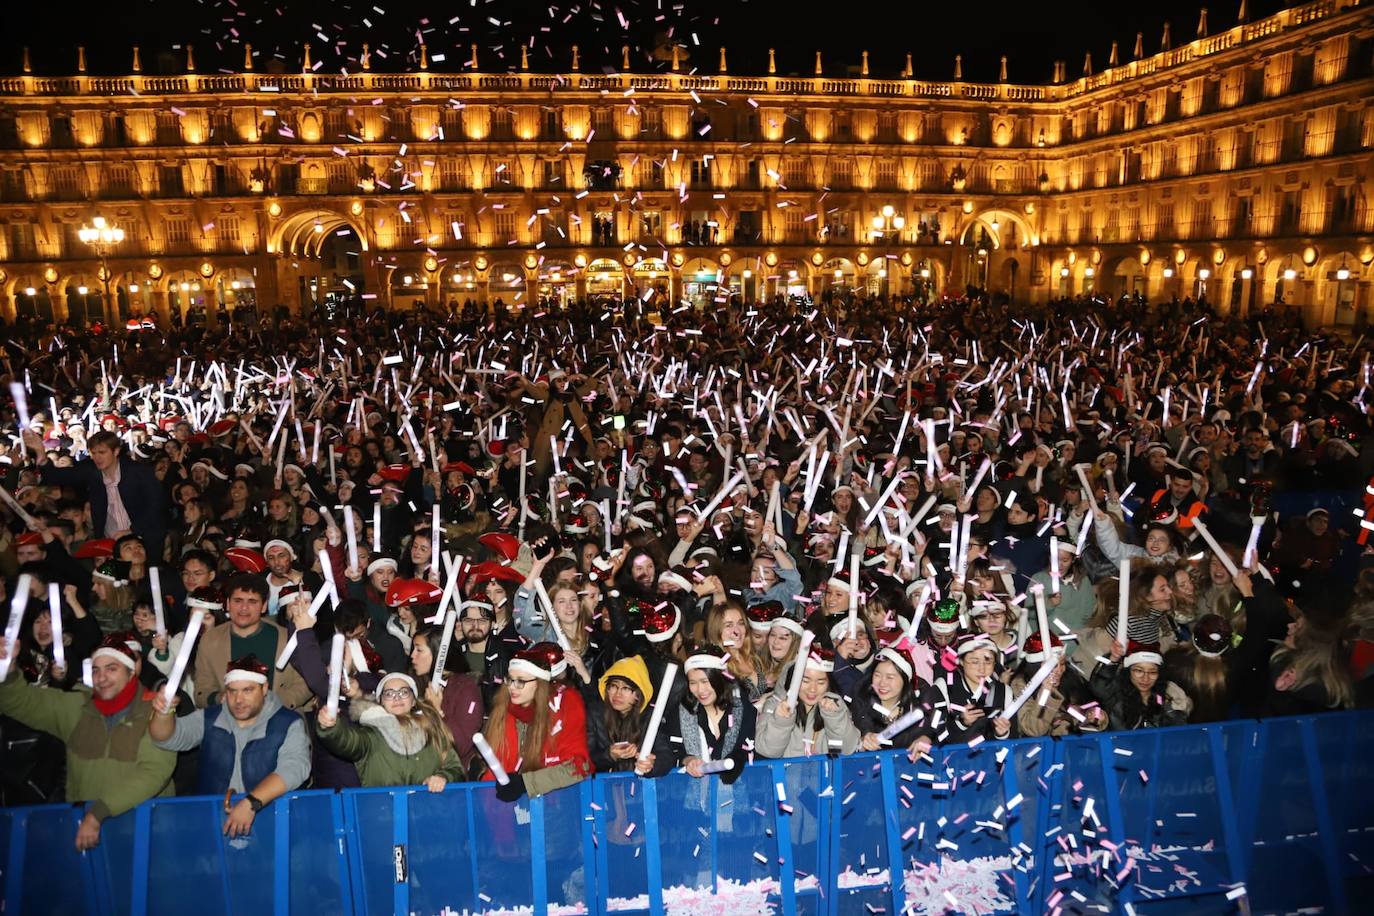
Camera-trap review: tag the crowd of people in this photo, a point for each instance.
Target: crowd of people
(531, 545)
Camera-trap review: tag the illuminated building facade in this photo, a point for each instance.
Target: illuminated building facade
(1235, 164)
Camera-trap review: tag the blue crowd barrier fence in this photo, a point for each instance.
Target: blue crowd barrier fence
(1273, 815)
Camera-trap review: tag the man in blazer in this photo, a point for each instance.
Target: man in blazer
(124, 494)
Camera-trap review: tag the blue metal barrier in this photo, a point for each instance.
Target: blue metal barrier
(1189, 819)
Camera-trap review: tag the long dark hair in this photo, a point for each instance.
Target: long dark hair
(455, 663)
(1134, 708)
(906, 699)
(724, 688)
(799, 714)
(624, 726)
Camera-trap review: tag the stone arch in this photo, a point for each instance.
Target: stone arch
(304, 231)
(1024, 233)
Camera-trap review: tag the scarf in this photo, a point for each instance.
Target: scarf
(406, 740)
(119, 702)
(567, 741)
(695, 740)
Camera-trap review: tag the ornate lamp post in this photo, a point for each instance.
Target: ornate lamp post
(102, 237)
(887, 227)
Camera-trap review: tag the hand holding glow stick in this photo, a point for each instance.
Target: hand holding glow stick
(1221, 555)
(336, 665)
(155, 584)
(188, 642)
(665, 687)
(799, 669)
(498, 772)
(717, 766)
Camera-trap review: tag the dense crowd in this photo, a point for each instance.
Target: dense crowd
(528, 546)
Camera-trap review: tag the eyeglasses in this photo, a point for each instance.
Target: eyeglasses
(519, 681)
(397, 693)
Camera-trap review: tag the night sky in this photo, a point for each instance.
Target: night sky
(1033, 35)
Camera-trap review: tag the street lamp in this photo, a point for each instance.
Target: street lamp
(102, 237)
(887, 227)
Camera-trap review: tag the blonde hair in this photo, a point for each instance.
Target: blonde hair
(742, 662)
(1318, 657)
(425, 716)
(580, 638)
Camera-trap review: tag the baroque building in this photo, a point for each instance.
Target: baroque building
(1235, 165)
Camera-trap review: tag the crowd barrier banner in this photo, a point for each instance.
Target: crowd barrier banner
(1272, 815)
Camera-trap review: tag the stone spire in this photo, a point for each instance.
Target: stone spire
(958, 66)
(1002, 73)
(1115, 57)
(1202, 23)
(138, 62)
(772, 61)
(1165, 42)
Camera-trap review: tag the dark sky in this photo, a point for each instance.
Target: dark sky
(1031, 34)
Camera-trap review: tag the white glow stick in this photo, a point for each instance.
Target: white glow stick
(1045, 671)
(553, 448)
(978, 478)
(1054, 564)
(720, 496)
(336, 660)
(498, 772)
(1087, 489)
(377, 526)
(717, 766)
(1255, 525)
(665, 687)
(155, 584)
(1222, 555)
(188, 642)
(1123, 600)
(799, 669)
(882, 500)
(350, 529)
(437, 676)
(19, 510)
(1042, 617)
(901, 724)
(963, 546)
(327, 570)
(59, 651)
(853, 594)
(918, 613)
(21, 404)
(543, 594)
(435, 541)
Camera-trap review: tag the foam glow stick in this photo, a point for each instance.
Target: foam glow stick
(1045, 671)
(978, 478)
(155, 584)
(435, 542)
(19, 510)
(1222, 555)
(665, 686)
(59, 651)
(882, 500)
(188, 642)
(1054, 564)
(853, 594)
(919, 611)
(436, 675)
(21, 404)
(336, 660)
(350, 530)
(1123, 600)
(1042, 617)
(1087, 489)
(327, 570)
(963, 546)
(377, 526)
(720, 496)
(717, 766)
(799, 669)
(543, 594)
(1255, 525)
(498, 772)
(522, 508)
(932, 459)
(901, 724)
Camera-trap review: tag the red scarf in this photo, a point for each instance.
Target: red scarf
(567, 742)
(119, 702)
